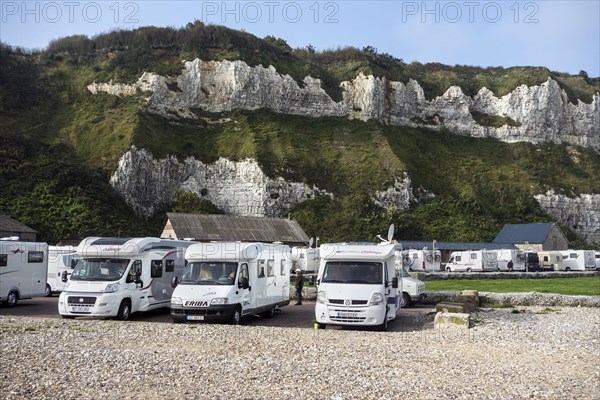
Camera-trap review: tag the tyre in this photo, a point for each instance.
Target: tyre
(469, 270)
(11, 299)
(406, 300)
(67, 317)
(124, 312)
(448, 269)
(384, 327)
(236, 316)
(48, 292)
(568, 269)
(322, 326)
(268, 314)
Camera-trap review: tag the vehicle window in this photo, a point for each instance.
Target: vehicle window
(573, 255)
(353, 272)
(282, 268)
(156, 269)
(271, 268)
(99, 269)
(135, 270)
(170, 266)
(261, 269)
(210, 273)
(35, 256)
(473, 256)
(458, 258)
(243, 274)
(3, 260)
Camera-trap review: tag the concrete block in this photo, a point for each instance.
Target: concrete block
(453, 307)
(446, 319)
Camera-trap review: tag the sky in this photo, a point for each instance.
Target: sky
(563, 36)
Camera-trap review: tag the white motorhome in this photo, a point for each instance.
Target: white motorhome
(305, 258)
(228, 280)
(23, 270)
(424, 260)
(358, 285)
(117, 277)
(597, 255)
(578, 260)
(472, 261)
(504, 256)
(61, 262)
(413, 289)
(551, 260)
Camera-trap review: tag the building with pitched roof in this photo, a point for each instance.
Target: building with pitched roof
(10, 227)
(533, 237)
(221, 228)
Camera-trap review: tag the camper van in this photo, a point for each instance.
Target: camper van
(422, 260)
(358, 285)
(228, 280)
(472, 261)
(117, 277)
(413, 289)
(305, 258)
(578, 260)
(504, 256)
(61, 261)
(23, 269)
(551, 261)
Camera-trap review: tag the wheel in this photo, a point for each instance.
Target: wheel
(268, 314)
(236, 316)
(12, 298)
(469, 270)
(322, 326)
(384, 327)
(406, 300)
(448, 269)
(67, 317)
(124, 312)
(48, 292)
(568, 269)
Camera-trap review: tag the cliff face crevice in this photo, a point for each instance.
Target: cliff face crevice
(541, 113)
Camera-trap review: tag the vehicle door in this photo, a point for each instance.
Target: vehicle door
(134, 285)
(244, 291)
(261, 283)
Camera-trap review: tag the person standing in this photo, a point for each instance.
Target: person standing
(299, 286)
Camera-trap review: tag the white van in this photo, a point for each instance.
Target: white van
(504, 256)
(413, 289)
(228, 280)
(551, 261)
(358, 285)
(61, 262)
(305, 258)
(422, 260)
(472, 261)
(597, 255)
(23, 270)
(578, 260)
(117, 277)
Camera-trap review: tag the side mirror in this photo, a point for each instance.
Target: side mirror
(64, 276)
(395, 282)
(138, 280)
(174, 282)
(318, 282)
(245, 283)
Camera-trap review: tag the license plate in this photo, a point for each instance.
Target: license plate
(195, 317)
(79, 308)
(347, 315)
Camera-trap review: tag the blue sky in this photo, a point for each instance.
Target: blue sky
(561, 35)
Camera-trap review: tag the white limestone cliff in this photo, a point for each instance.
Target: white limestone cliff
(542, 112)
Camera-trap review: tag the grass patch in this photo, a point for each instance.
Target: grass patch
(585, 286)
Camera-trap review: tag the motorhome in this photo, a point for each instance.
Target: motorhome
(472, 261)
(305, 258)
(504, 256)
(358, 285)
(551, 260)
(413, 289)
(226, 281)
(578, 260)
(117, 277)
(597, 256)
(61, 262)
(424, 260)
(23, 270)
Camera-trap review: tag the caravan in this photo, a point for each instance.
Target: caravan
(61, 262)
(117, 277)
(23, 269)
(504, 256)
(228, 280)
(578, 260)
(422, 260)
(358, 285)
(472, 261)
(551, 261)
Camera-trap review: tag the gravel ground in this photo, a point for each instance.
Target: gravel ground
(524, 352)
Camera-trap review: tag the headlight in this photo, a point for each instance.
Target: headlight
(376, 299)
(176, 300)
(321, 297)
(112, 287)
(219, 301)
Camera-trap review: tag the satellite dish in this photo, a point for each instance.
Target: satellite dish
(310, 242)
(390, 235)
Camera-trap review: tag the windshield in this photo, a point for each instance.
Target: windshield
(353, 272)
(99, 269)
(209, 273)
